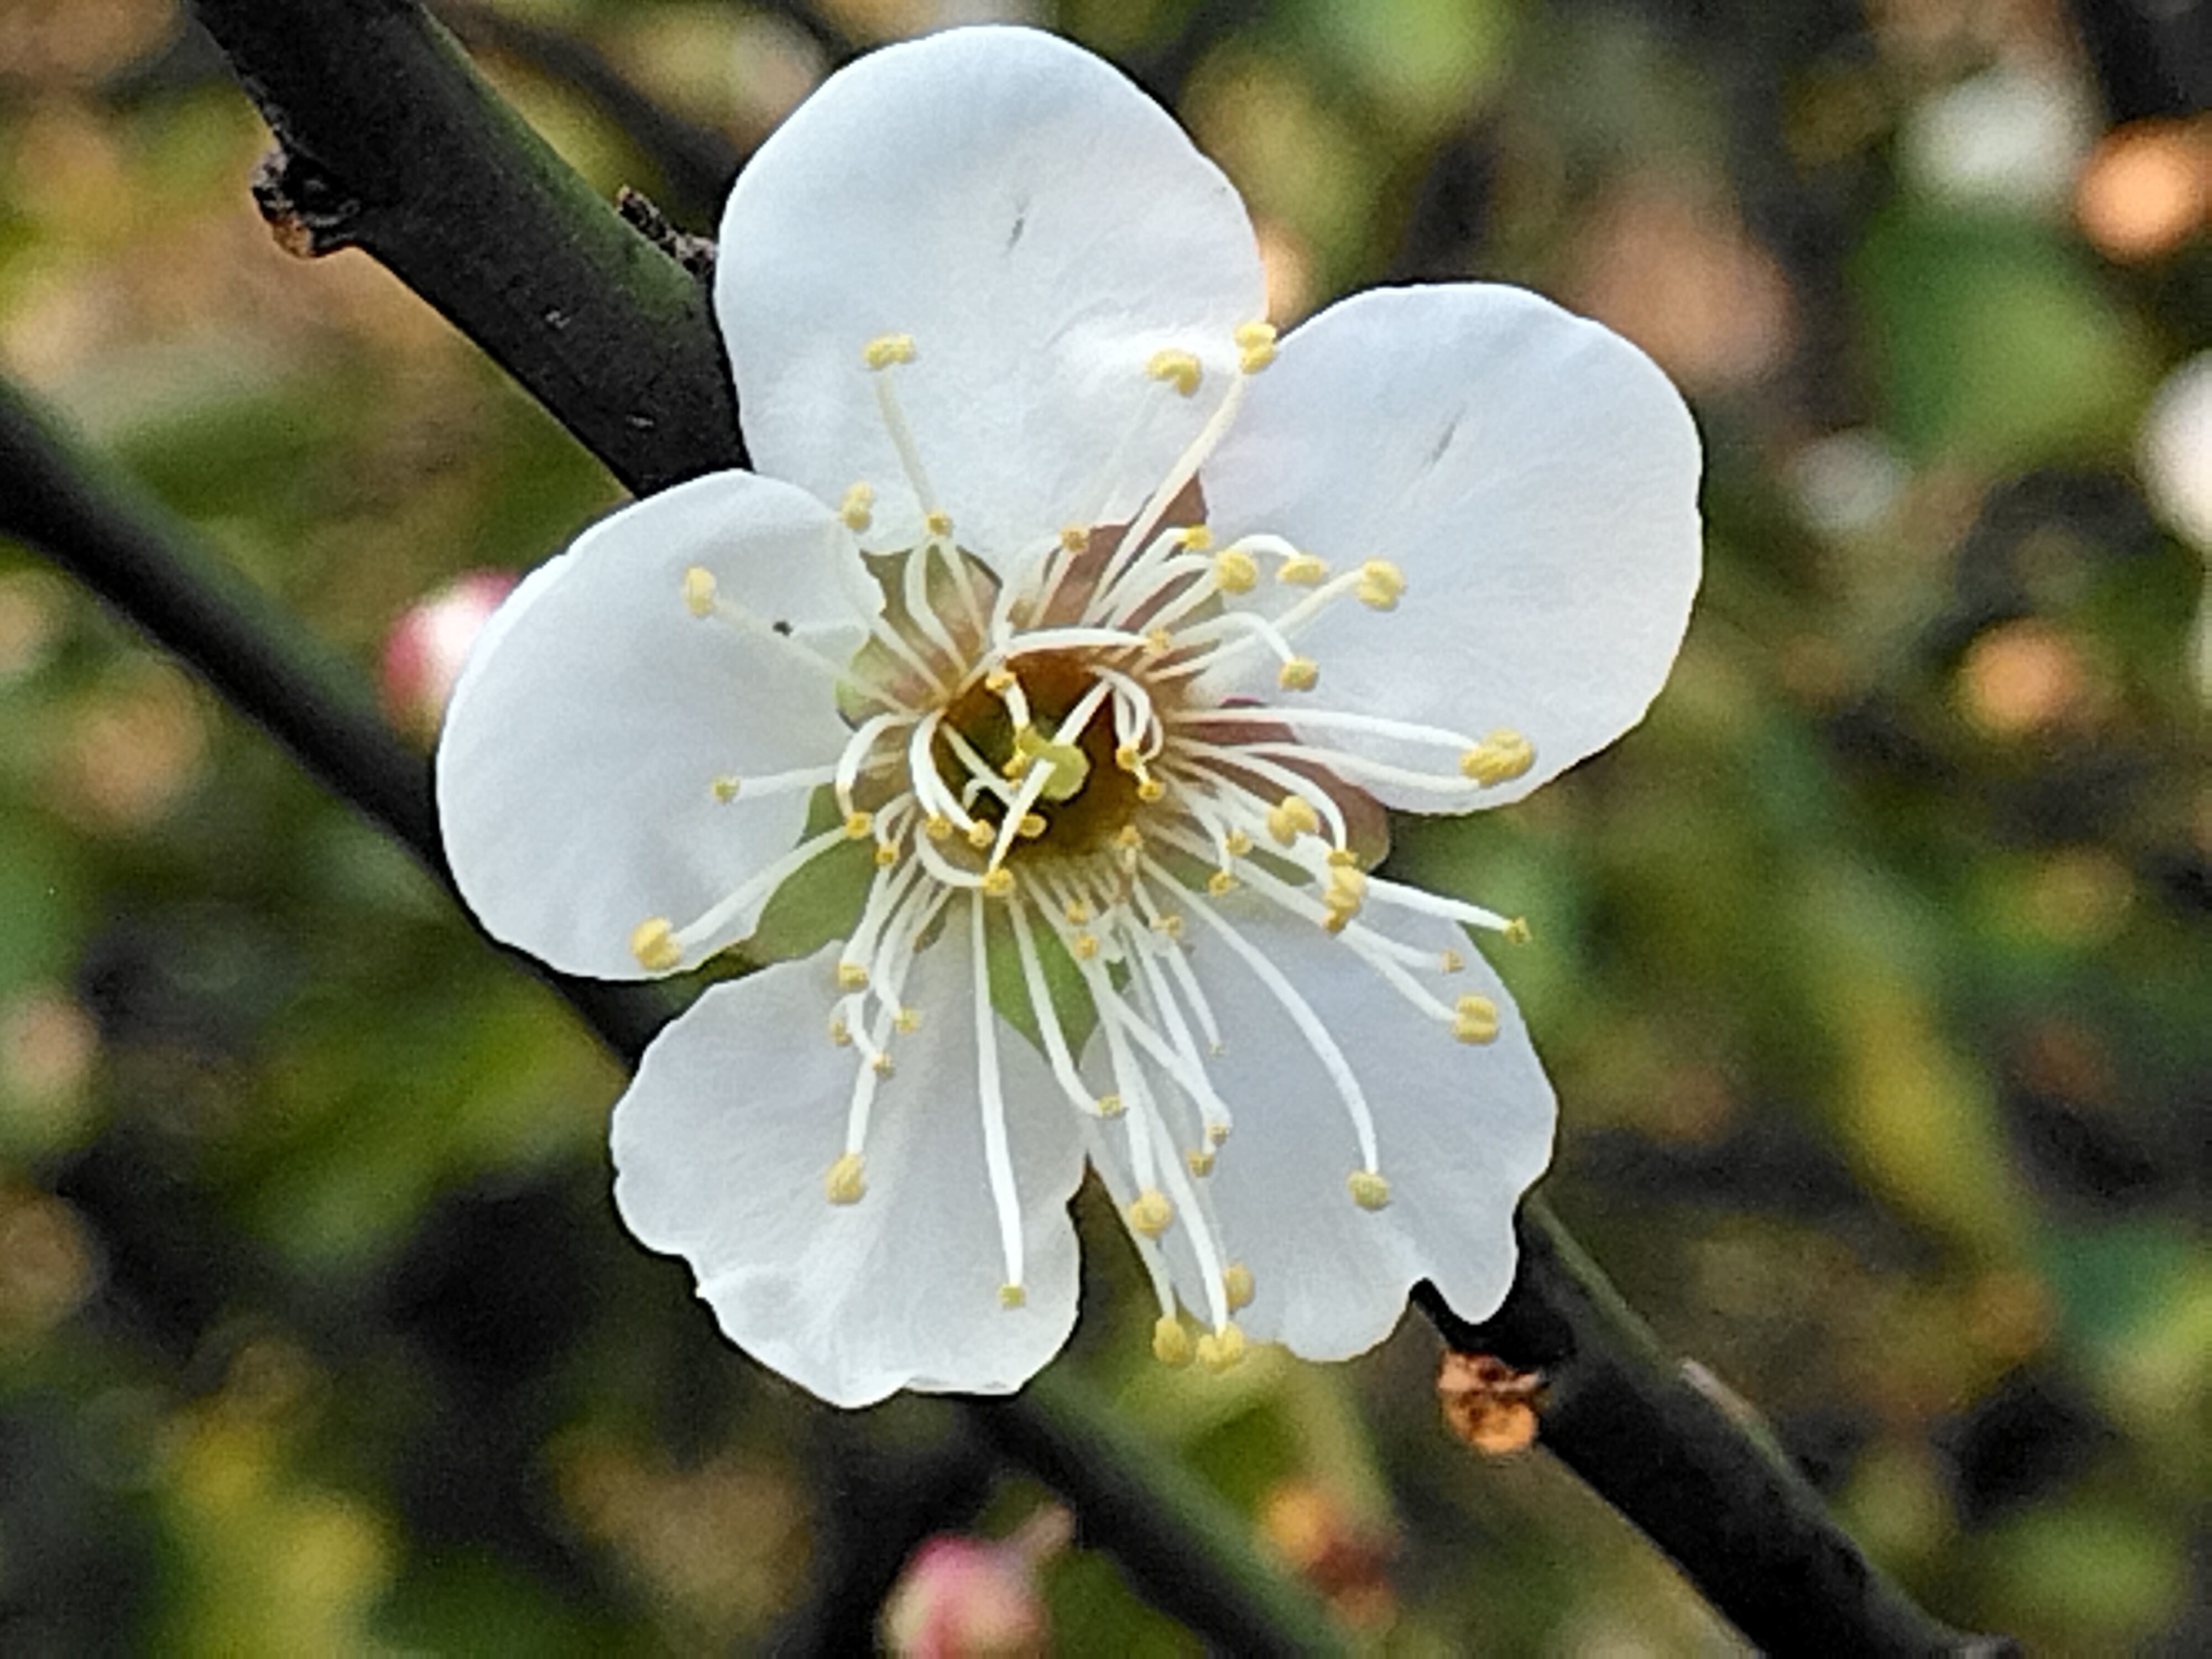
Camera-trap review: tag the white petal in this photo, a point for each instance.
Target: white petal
(1533, 475)
(721, 1143)
(1040, 227)
(1461, 1131)
(575, 771)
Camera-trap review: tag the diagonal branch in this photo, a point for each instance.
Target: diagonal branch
(153, 569)
(387, 140)
(1693, 1465)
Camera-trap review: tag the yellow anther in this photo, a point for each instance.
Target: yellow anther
(1076, 911)
(1299, 674)
(1217, 1132)
(1515, 932)
(1178, 369)
(724, 789)
(1011, 1296)
(843, 1183)
(1301, 570)
(699, 591)
(1220, 883)
(880, 1064)
(1200, 1163)
(1381, 584)
(937, 827)
(1474, 1019)
(1347, 887)
(857, 825)
(1014, 765)
(981, 835)
(1334, 921)
(998, 883)
(1169, 924)
(1085, 946)
(1292, 816)
(1171, 1342)
(1197, 538)
(1073, 539)
(1126, 756)
(938, 524)
(840, 1034)
(1368, 1189)
(1450, 961)
(1341, 857)
(998, 679)
(852, 977)
(1149, 1212)
(1237, 843)
(887, 854)
(858, 509)
(908, 1020)
(1031, 827)
(652, 942)
(1501, 754)
(1234, 571)
(1237, 1285)
(1151, 789)
(1127, 838)
(888, 348)
(1158, 642)
(1109, 1105)
(1218, 1350)
(1256, 346)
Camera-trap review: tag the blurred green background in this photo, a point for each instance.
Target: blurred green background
(1873, 970)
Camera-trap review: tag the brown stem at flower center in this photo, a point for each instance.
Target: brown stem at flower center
(1083, 822)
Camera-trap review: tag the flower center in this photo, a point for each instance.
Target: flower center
(1082, 799)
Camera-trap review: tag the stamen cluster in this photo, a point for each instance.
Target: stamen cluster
(1051, 741)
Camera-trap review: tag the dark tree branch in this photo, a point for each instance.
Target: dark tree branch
(389, 140)
(1181, 1544)
(1694, 1467)
(876, 1499)
(2153, 57)
(414, 160)
(134, 554)
(1150, 1510)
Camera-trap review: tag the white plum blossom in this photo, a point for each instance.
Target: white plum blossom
(1106, 625)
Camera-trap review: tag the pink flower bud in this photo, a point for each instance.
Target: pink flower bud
(961, 1596)
(425, 650)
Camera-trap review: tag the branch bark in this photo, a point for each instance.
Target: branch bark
(388, 141)
(1690, 1463)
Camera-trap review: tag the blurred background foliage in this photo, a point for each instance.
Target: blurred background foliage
(1873, 970)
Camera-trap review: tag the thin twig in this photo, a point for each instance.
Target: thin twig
(697, 162)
